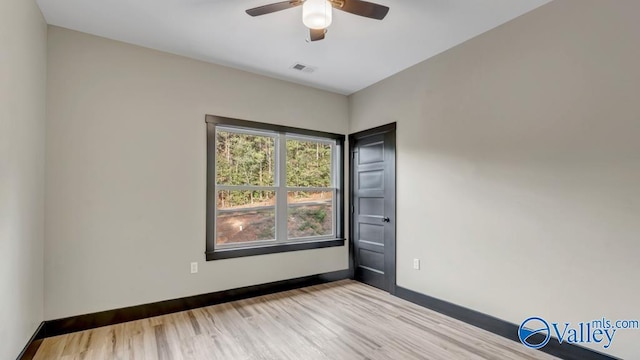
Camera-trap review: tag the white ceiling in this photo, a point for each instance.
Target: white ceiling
(356, 53)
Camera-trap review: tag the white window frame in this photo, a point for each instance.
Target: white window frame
(280, 136)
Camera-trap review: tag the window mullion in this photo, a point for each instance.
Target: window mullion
(281, 193)
(312, 189)
(245, 187)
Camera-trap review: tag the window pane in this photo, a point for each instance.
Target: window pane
(243, 159)
(245, 216)
(310, 213)
(308, 164)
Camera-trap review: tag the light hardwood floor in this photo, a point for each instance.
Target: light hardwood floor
(340, 320)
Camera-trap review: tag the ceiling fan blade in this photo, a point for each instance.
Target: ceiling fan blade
(268, 9)
(363, 8)
(316, 35)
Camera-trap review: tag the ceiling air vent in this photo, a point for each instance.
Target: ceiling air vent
(302, 68)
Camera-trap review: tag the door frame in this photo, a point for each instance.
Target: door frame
(390, 263)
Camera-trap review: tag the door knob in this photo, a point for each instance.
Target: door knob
(386, 219)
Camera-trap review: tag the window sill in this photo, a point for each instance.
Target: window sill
(272, 249)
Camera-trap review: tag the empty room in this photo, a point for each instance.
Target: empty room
(320, 179)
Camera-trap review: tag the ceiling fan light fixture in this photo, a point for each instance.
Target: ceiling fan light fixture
(317, 14)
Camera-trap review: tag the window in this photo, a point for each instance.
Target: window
(271, 188)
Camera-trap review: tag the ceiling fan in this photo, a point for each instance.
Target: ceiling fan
(317, 14)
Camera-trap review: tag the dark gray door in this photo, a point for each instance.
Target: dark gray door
(373, 208)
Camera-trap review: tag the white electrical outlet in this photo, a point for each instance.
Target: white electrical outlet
(416, 264)
(194, 267)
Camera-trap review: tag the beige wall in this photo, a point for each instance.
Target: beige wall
(23, 35)
(519, 167)
(125, 175)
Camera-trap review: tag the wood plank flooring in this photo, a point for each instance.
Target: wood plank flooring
(340, 320)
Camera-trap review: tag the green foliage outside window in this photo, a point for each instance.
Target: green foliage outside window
(245, 159)
(308, 164)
